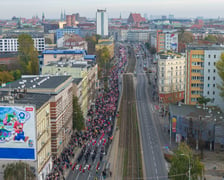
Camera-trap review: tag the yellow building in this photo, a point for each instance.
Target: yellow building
(43, 128)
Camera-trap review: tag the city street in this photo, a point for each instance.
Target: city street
(155, 167)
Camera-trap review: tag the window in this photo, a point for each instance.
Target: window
(214, 70)
(208, 77)
(214, 63)
(209, 56)
(214, 78)
(208, 85)
(214, 56)
(209, 63)
(209, 70)
(213, 85)
(208, 92)
(213, 92)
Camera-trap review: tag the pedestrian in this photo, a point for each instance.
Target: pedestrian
(110, 174)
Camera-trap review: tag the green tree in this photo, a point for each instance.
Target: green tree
(220, 67)
(16, 74)
(18, 171)
(211, 38)
(28, 55)
(183, 158)
(203, 100)
(78, 119)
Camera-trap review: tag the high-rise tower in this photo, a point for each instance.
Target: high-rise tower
(101, 22)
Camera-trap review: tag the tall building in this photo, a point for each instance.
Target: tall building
(101, 22)
(202, 77)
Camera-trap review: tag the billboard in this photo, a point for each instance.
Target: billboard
(17, 132)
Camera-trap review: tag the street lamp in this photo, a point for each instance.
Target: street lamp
(189, 165)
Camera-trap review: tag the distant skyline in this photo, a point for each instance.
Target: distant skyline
(52, 8)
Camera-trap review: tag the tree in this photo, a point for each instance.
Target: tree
(184, 38)
(28, 55)
(103, 57)
(220, 67)
(211, 38)
(152, 50)
(92, 41)
(48, 41)
(78, 119)
(6, 77)
(18, 171)
(203, 100)
(183, 158)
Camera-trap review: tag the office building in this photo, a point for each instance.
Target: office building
(101, 22)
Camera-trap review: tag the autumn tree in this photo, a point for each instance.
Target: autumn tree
(28, 55)
(5, 77)
(184, 37)
(103, 58)
(18, 171)
(92, 41)
(184, 160)
(78, 119)
(220, 68)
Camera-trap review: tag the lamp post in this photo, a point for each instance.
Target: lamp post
(189, 165)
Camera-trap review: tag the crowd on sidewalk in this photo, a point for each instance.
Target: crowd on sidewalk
(99, 127)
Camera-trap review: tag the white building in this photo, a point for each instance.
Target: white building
(171, 76)
(138, 35)
(211, 77)
(11, 44)
(171, 41)
(101, 22)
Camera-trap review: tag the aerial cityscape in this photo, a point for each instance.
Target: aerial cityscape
(112, 90)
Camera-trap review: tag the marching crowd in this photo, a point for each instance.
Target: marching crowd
(99, 127)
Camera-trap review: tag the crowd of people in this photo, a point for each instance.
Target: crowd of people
(98, 134)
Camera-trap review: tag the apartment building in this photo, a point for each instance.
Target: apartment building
(35, 149)
(202, 78)
(59, 89)
(170, 77)
(11, 44)
(49, 56)
(78, 70)
(165, 40)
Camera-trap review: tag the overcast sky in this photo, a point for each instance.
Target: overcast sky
(52, 8)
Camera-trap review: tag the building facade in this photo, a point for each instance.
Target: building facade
(166, 41)
(67, 30)
(11, 44)
(101, 22)
(202, 78)
(170, 78)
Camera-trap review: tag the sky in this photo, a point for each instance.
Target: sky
(52, 8)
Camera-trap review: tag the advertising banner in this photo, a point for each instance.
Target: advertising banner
(17, 132)
(174, 124)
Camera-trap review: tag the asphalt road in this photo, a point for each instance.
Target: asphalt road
(152, 150)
